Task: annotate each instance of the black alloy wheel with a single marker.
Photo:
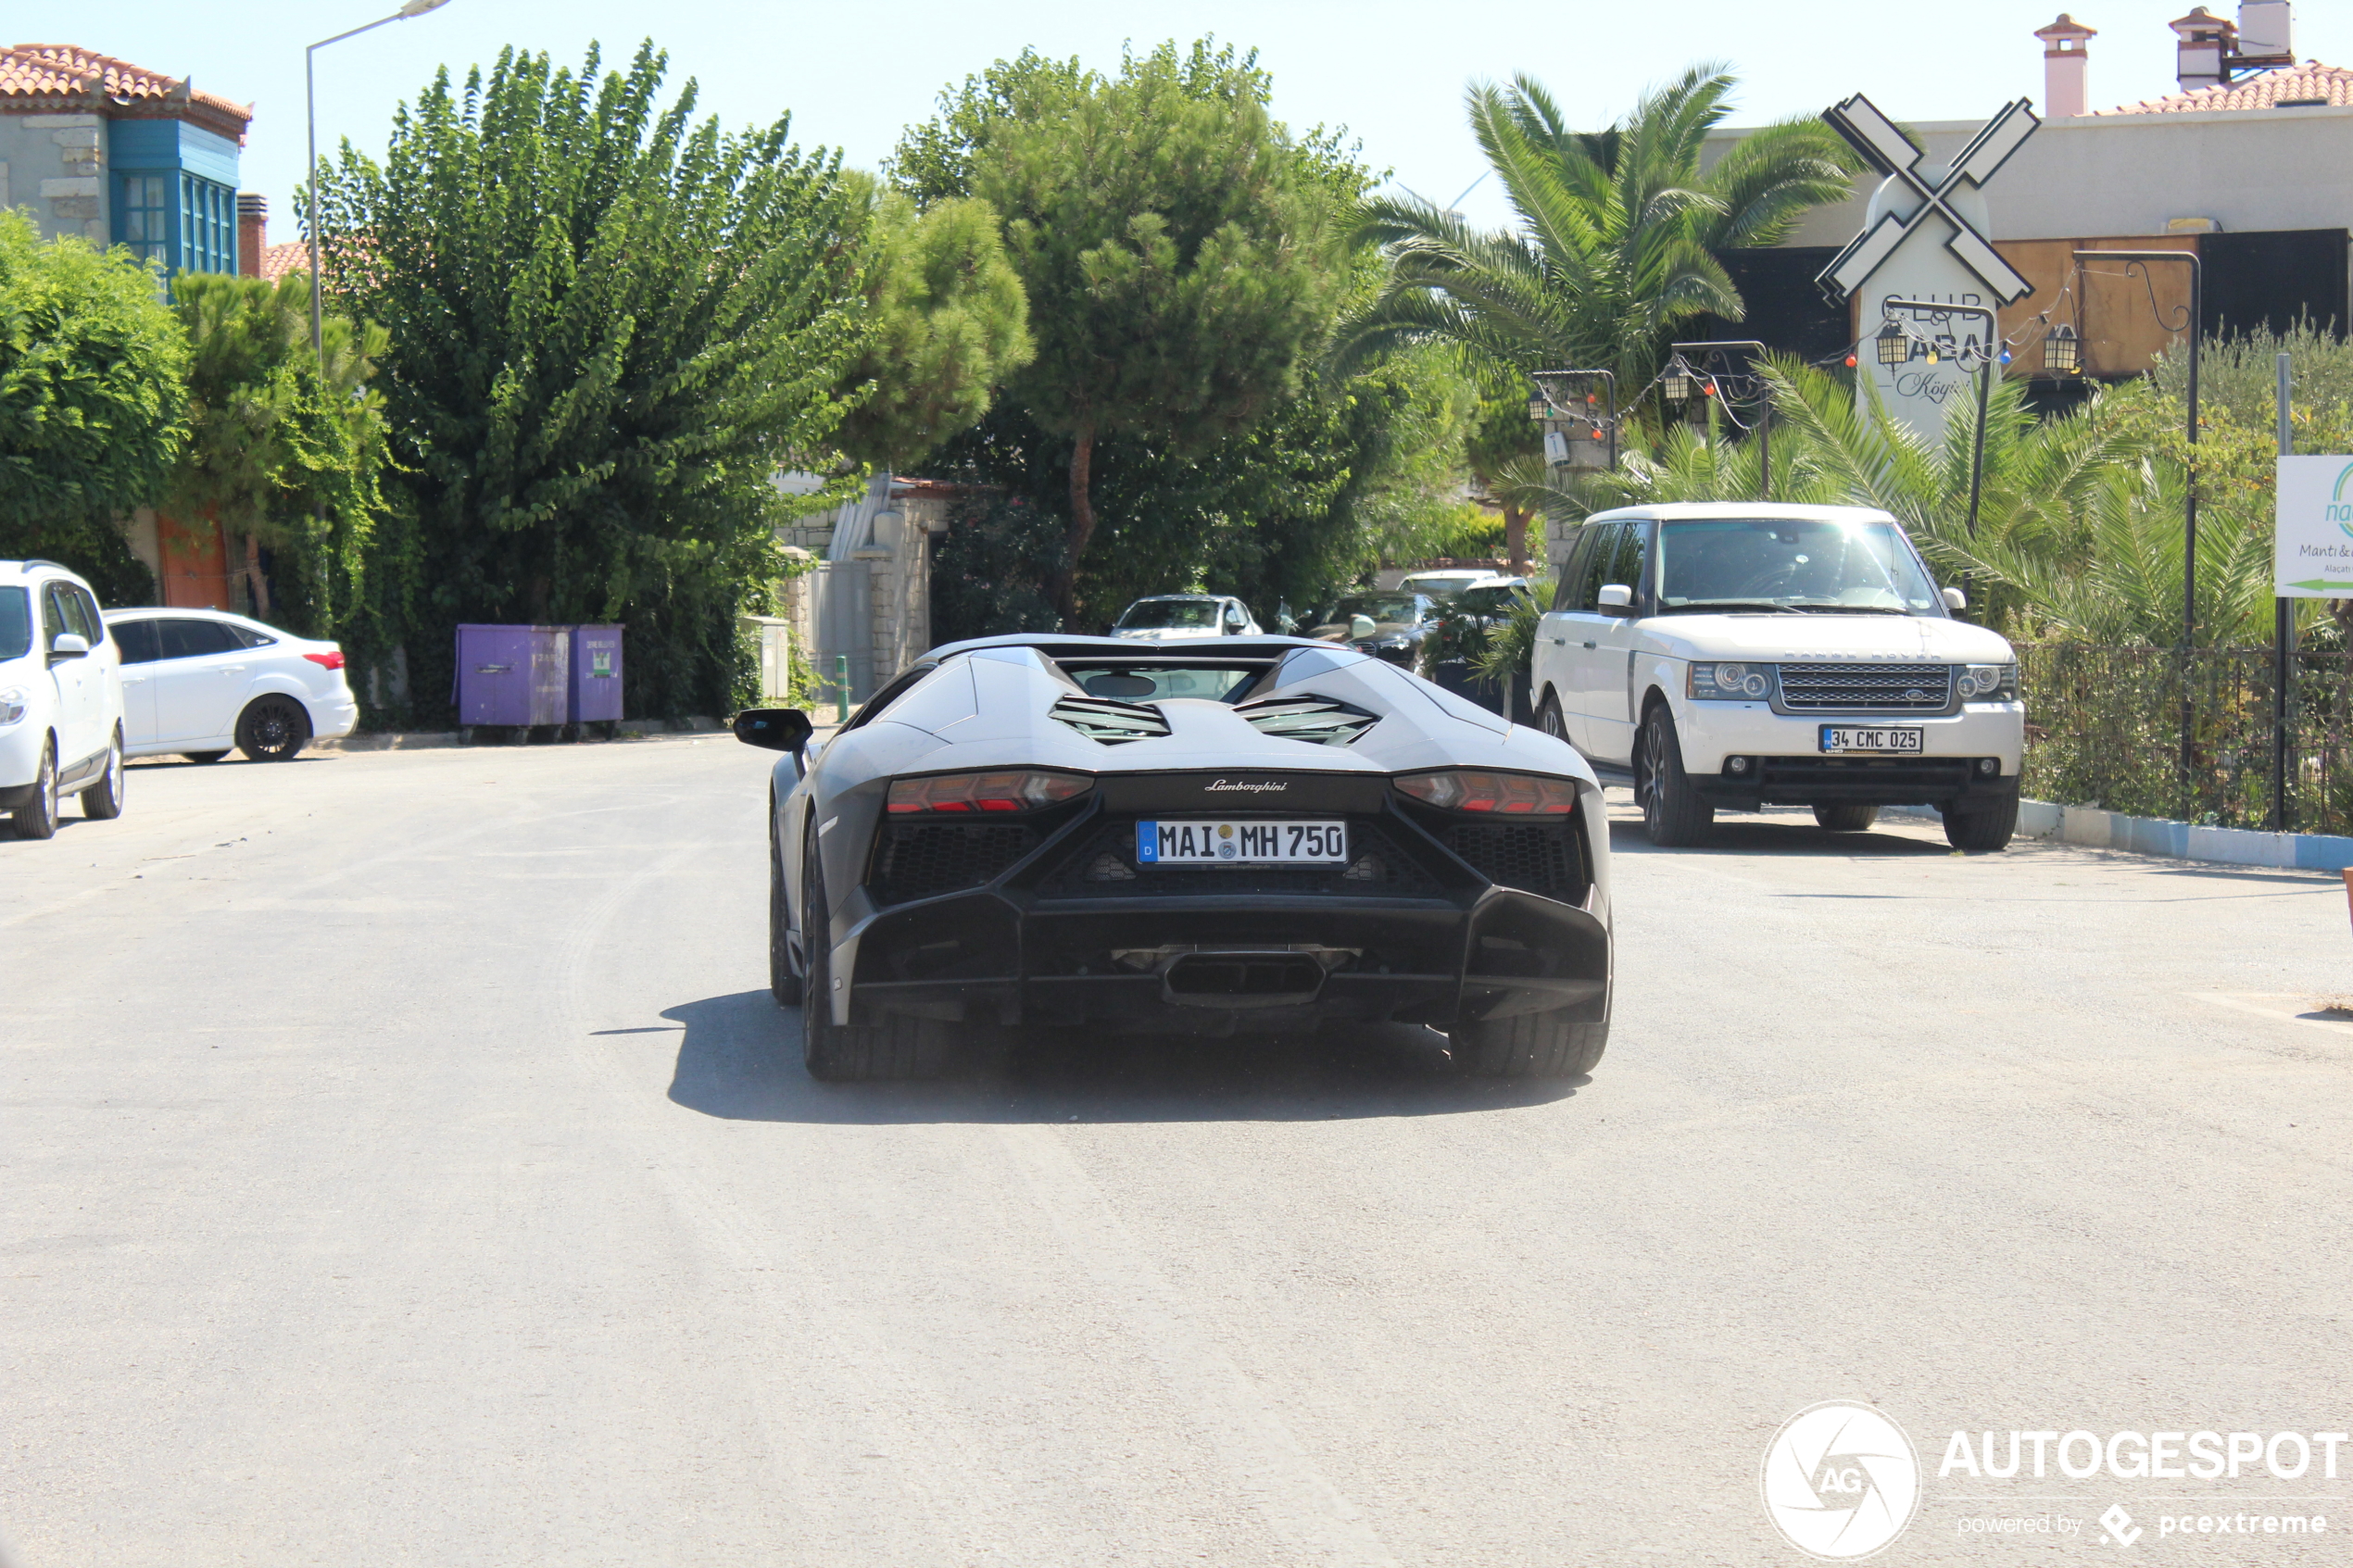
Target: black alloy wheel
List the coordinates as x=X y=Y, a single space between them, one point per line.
x=272 y=729
x=1673 y=814
x=1549 y=720
x=899 y=1047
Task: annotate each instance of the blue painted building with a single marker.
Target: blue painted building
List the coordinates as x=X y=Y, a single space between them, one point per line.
x=119 y=155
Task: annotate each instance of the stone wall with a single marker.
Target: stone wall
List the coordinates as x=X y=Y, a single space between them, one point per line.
x=56 y=164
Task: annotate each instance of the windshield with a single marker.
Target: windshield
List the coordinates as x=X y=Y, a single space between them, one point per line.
x=16 y=622
x=1497 y=600
x=1150 y=682
x=1395 y=608
x=1851 y=567
x=1152 y=614
x=1438 y=587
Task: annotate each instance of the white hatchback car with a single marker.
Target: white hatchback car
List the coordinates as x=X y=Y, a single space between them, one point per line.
x=198 y=682
x=61 y=727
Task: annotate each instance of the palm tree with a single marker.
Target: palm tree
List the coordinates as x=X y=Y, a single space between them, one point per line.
x=1616 y=235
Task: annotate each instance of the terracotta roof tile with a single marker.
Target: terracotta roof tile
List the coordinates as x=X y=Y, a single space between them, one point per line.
x=280 y=259
x=2301 y=86
x=60 y=78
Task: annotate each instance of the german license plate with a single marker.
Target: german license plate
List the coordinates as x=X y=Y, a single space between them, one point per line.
x=1242 y=843
x=1844 y=737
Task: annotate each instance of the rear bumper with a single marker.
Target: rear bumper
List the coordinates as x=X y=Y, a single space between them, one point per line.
x=333 y=717
x=1439 y=944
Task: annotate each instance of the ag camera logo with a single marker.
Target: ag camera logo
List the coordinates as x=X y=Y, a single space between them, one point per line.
x=1841 y=1481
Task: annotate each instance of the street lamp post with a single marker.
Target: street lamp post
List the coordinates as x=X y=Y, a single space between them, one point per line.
x=2196 y=323
x=1765 y=407
x=311 y=176
x=1984 y=377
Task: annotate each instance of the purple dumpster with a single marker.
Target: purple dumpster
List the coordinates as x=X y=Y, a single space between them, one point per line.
x=596 y=674
x=513 y=675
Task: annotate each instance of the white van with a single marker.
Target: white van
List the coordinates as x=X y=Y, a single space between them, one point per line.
x=60 y=699
x=1731 y=655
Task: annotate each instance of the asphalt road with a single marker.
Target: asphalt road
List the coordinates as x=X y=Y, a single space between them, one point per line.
x=402 y=1162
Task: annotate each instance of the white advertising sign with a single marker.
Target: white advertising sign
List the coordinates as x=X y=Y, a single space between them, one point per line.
x=2313 y=535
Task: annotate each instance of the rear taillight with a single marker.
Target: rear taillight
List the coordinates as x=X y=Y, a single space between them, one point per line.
x=1024 y=789
x=330 y=660
x=1509 y=794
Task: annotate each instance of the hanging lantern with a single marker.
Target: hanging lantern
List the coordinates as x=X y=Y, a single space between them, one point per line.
x=1677 y=383
x=1895 y=345
x=2062 y=353
x=1538 y=405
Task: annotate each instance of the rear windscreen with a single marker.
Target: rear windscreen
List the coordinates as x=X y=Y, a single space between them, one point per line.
x=1150 y=682
x=16 y=622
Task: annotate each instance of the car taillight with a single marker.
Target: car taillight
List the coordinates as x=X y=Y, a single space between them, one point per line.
x=1510 y=795
x=1024 y=789
x=332 y=660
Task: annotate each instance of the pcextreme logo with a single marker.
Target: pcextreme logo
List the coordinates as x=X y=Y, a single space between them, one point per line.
x=1841 y=1481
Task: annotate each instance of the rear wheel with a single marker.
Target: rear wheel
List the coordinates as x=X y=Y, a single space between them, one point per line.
x=102 y=802
x=37 y=818
x=272 y=729
x=896 y=1048
x=1534 y=1045
x=1981 y=831
x=1844 y=818
x=1549 y=720
x=782 y=984
x=1673 y=813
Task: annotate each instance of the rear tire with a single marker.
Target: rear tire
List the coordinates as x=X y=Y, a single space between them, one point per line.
x=1531 y=1045
x=37 y=818
x=1673 y=813
x=899 y=1047
x=1549 y=720
x=272 y=729
x=782 y=984
x=102 y=802
x=1984 y=832
x=1844 y=818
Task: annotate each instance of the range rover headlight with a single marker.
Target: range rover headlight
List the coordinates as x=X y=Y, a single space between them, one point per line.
x=1730 y=681
x=13 y=703
x=1989 y=683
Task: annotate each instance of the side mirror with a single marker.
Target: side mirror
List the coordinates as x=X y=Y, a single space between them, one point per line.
x=68 y=644
x=773 y=729
x=1360 y=626
x=1955 y=599
x=1614 y=596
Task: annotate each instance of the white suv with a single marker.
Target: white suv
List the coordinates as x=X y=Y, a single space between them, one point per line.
x=1733 y=654
x=60 y=699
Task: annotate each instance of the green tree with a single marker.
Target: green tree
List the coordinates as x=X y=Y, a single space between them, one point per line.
x=94 y=403
x=278 y=454
x=951 y=325
x=608 y=328
x=1617 y=231
x=1177 y=248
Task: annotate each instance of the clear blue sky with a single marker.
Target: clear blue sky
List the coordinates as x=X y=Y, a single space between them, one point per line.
x=852 y=75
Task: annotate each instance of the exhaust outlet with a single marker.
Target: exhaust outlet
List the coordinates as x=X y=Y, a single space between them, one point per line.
x=1242 y=979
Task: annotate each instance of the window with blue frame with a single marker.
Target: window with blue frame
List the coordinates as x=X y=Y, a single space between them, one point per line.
x=207 y=226
x=143 y=216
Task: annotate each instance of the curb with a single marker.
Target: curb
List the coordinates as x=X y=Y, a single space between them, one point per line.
x=432 y=740
x=2088 y=827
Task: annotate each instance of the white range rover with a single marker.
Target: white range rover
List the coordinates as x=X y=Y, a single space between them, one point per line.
x=1730 y=655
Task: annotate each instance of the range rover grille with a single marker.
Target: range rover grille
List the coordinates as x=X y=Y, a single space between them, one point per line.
x=1876 y=688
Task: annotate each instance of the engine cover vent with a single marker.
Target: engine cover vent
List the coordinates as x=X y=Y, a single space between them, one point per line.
x=1320 y=721
x=1110 y=721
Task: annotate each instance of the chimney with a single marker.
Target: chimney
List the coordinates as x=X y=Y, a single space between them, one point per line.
x=2266 y=33
x=2206 y=43
x=253 y=232
x=2063 y=86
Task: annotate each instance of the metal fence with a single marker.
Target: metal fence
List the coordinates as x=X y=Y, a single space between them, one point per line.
x=2104 y=727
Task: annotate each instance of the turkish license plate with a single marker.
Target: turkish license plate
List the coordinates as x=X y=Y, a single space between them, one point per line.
x=1847 y=737
x=1242 y=843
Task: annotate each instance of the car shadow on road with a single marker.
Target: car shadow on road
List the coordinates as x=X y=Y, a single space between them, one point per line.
x=740 y=1060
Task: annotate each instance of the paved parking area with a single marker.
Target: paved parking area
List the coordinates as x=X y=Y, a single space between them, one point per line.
x=401 y=1162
